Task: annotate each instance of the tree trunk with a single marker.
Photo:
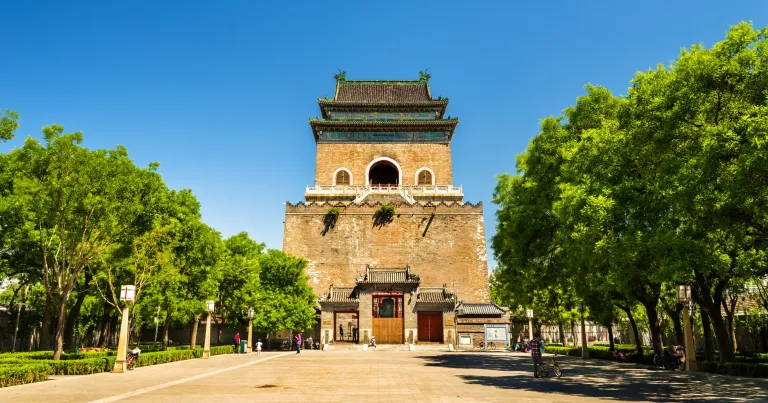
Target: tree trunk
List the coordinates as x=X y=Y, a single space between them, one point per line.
x=638 y=342
x=193 y=336
x=573 y=333
x=32 y=339
x=61 y=321
x=678 y=324
x=45 y=327
x=711 y=301
x=562 y=333
x=74 y=314
x=114 y=322
x=729 y=306
x=610 y=337
x=166 y=328
x=219 y=331
x=104 y=327
x=722 y=337
x=650 y=306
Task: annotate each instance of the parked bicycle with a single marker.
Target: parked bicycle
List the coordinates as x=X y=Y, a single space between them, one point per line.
x=672 y=361
x=546 y=367
x=131 y=358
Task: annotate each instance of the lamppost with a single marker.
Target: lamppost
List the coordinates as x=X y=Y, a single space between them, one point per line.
x=584 y=350
x=127 y=295
x=529 y=315
x=210 y=306
x=250 y=330
x=684 y=297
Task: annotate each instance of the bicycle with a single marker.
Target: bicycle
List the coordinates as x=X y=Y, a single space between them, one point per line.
x=131 y=358
x=546 y=367
x=672 y=363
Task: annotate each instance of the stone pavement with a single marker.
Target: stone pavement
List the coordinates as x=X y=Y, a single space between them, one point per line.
x=388 y=376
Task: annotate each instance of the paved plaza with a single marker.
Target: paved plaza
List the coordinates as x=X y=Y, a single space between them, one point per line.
x=387 y=376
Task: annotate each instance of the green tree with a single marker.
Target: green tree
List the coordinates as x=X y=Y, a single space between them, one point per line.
x=8 y=124
x=238 y=283
x=181 y=286
x=78 y=201
x=663 y=187
x=286 y=301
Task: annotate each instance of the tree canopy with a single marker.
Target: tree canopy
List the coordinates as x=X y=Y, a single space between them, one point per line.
x=623 y=197
x=79 y=223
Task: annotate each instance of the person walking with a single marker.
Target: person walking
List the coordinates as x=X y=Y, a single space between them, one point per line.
x=536 y=354
x=341 y=332
x=236 y=341
x=258 y=347
x=298 y=343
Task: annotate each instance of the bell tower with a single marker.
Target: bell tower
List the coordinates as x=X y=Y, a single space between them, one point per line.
x=386 y=145
x=386 y=136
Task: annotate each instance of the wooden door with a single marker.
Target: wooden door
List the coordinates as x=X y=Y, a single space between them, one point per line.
x=430 y=326
x=388 y=330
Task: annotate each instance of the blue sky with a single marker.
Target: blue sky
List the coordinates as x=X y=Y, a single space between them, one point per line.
x=219 y=92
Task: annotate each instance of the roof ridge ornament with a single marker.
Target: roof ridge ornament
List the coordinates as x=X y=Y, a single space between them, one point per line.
x=341 y=76
x=424 y=75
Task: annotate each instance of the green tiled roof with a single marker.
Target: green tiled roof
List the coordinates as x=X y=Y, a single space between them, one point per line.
x=381 y=91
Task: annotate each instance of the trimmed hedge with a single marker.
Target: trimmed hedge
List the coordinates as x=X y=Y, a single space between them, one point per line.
x=66 y=367
x=21 y=374
x=601 y=353
x=48 y=355
x=218 y=350
x=162 y=357
x=759 y=370
x=755 y=369
x=20 y=368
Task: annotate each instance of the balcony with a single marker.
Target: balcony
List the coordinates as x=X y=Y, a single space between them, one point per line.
x=408 y=192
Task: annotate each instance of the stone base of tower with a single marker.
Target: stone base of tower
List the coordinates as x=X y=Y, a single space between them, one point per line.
x=443 y=242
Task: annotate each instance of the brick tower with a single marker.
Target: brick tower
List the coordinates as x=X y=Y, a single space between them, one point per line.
x=400 y=276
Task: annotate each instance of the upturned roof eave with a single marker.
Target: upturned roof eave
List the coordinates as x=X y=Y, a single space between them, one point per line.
x=355 y=302
x=408 y=282
x=440 y=104
x=449 y=124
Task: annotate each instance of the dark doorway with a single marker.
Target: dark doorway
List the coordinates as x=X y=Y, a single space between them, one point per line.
x=383 y=173
x=346 y=324
x=430 y=326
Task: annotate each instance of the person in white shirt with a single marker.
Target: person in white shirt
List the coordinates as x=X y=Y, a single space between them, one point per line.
x=258 y=347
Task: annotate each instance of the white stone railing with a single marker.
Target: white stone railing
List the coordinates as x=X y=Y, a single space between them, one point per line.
x=356 y=190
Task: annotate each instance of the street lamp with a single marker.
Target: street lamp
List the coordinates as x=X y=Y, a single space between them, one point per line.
x=210 y=306
x=250 y=330
x=529 y=315
x=127 y=295
x=684 y=297
x=584 y=350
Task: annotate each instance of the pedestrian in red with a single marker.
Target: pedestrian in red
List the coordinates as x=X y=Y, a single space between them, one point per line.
x=236 y=340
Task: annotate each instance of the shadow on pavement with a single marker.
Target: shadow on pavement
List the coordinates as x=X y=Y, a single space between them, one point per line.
x=602 y=379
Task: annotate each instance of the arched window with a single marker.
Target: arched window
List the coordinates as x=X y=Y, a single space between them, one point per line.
x=343 y=178
x=425 y=177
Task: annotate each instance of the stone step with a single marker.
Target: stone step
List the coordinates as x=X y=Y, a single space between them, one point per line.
x=388 y=347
